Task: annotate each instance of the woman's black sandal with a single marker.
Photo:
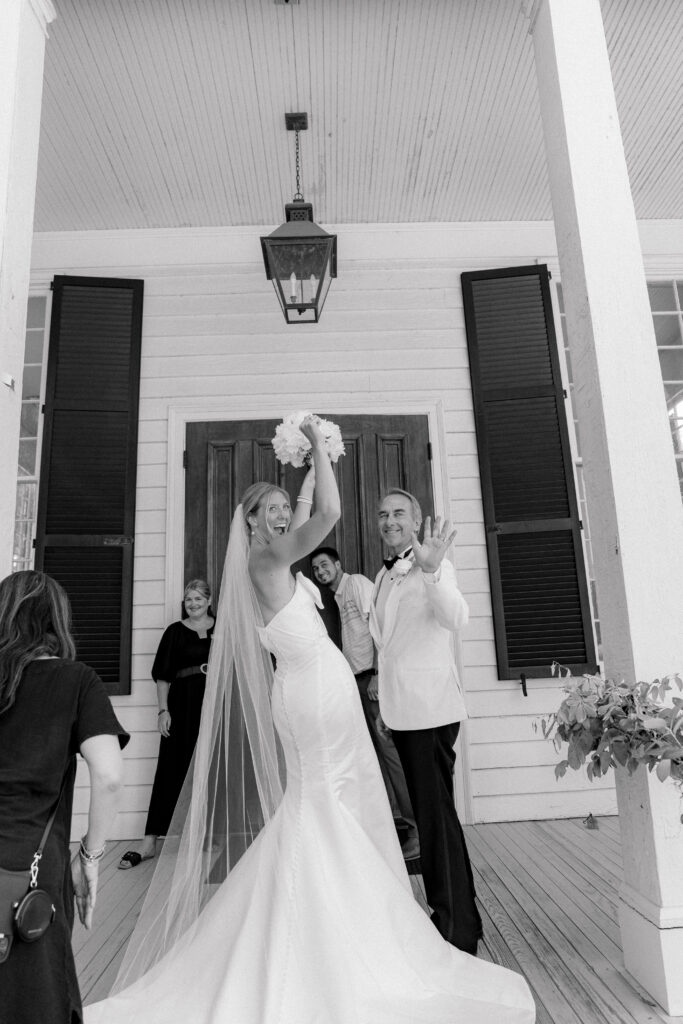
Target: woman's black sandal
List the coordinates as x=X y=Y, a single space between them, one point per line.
x=131 y=859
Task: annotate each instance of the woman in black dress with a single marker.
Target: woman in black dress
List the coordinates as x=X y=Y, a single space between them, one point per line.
x=179 y=670
x=51 y=708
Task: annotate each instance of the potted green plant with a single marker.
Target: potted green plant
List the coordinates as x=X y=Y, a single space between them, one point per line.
x=608 y=724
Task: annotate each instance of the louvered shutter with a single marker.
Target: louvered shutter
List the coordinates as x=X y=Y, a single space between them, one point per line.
x=541 y=610
x=86 y=506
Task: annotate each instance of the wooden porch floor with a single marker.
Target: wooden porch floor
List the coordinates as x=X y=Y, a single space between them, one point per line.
x=548 y=896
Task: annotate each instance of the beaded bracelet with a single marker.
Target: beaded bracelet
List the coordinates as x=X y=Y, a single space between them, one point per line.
x=305 y=501
x=90 y=856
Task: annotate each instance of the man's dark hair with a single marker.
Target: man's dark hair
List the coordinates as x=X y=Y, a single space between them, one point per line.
x=330 y=552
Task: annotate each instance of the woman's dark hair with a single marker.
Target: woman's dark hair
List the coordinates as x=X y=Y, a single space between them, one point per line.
x=35 y=620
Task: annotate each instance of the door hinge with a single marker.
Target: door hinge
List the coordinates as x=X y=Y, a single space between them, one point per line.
x=185 y=459
x=429 y=451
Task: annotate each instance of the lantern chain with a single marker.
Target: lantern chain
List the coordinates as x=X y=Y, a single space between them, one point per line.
x=298 y=195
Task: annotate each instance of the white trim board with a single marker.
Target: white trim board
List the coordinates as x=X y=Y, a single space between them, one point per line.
x=475 y=244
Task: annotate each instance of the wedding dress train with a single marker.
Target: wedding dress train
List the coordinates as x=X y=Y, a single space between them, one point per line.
x=317 y=923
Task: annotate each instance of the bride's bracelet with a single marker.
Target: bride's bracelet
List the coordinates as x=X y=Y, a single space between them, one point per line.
x=305 y=501
x=90 y=856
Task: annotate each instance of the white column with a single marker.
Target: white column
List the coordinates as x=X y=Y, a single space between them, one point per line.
x=634 y=502
x=22 y=51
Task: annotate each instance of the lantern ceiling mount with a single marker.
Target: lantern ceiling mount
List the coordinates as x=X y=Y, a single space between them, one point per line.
x=300 y=257
x=297 y=122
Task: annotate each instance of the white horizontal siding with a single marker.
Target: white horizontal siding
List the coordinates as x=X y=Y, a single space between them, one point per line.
x=392 y=332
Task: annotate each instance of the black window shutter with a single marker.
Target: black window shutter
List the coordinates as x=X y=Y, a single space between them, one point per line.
x=541 y=611
x=86 y=505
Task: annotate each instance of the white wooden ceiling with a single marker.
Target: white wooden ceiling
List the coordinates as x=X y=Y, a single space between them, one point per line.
x=170 y=113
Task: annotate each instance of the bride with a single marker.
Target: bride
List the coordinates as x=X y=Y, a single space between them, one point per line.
x=315 y=921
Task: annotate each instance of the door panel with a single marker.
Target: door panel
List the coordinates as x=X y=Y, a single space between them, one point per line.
x=224 y=458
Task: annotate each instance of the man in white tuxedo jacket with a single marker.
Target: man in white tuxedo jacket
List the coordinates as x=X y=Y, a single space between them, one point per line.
x=416 y=610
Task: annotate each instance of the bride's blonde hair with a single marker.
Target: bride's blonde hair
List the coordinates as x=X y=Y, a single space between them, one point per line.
x=253 y=497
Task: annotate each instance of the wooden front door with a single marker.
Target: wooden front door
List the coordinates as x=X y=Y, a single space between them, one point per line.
x=224 y=458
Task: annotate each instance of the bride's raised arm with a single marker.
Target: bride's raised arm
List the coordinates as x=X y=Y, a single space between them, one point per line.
x=307 y=533
x=303 y=507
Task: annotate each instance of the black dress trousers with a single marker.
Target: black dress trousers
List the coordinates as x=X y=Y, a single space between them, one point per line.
x=428 y=759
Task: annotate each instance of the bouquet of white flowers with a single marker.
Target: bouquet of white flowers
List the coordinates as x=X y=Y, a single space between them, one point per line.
x=291 y=446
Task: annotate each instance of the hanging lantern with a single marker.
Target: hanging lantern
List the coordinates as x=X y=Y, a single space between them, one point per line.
x=300 y=257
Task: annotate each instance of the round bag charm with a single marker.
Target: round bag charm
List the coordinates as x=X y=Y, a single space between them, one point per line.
x=33 y=915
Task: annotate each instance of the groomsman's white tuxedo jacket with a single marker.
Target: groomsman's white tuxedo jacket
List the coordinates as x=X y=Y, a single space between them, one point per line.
x=418 y=680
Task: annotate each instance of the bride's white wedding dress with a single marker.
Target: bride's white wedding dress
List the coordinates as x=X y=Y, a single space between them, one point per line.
x=317 y=923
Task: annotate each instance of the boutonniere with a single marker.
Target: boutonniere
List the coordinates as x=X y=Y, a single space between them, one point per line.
x=402 y=567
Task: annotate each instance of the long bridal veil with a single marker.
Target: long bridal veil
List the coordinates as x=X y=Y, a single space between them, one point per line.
x=235 y=782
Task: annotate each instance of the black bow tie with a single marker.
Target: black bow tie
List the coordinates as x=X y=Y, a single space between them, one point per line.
x=391 y=562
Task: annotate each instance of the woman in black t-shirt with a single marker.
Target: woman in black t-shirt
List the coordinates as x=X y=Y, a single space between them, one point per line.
x=51 y=708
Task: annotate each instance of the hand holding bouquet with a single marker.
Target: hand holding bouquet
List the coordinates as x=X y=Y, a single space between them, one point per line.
x=292 y=446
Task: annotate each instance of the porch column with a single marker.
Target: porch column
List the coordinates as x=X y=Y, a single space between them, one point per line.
x=22 y=50
x=636 y=516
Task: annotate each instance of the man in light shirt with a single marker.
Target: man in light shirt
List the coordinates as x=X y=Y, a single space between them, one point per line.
x=353 y=595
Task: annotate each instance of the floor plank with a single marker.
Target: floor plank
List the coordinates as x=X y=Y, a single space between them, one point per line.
x=119 y=899
x=556 y=956
x=577 y=867
x=507 y=930
x=586 y=957
x=558 y=882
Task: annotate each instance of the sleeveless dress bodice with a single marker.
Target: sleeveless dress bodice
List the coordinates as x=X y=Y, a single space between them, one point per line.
x=315 y=703
x=296 y=630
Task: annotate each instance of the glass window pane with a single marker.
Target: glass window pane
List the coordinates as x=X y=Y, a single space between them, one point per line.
x=34 y=346
x=35 y=314
x=674 y=396
x=671 y=361
x=680 y=294
x=27 y=458
x=667 y=330
x=29 y=419
x=31 y=384
x=662 y=299
x=27 y=493
x=23 y=546
x=677 y=434
x=560 y=298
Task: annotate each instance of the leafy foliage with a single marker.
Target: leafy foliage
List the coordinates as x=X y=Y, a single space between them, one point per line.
x=608 y=723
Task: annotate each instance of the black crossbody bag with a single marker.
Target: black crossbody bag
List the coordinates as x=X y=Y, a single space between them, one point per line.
x=26 y=912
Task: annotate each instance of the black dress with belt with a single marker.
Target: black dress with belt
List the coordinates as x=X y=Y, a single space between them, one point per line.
x=59 y=704
x=181 y=649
